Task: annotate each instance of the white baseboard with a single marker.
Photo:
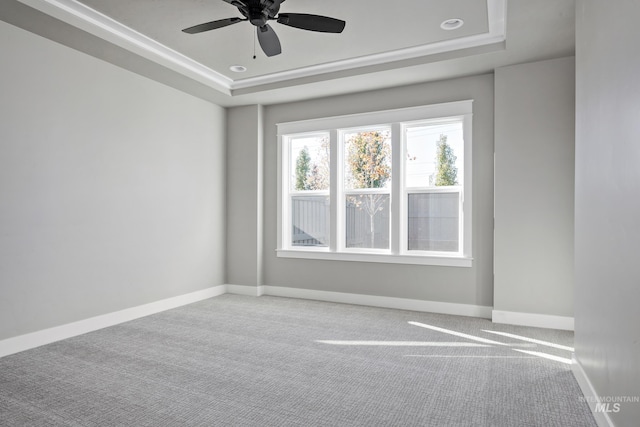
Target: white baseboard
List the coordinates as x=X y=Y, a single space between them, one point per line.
x=380 y=301
x=252 y=291
x=531 y=319
x=46 y=336
x=57 y=333
x=591 y=397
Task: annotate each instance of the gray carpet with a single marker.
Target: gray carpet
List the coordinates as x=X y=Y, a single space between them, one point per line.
x=246 y=361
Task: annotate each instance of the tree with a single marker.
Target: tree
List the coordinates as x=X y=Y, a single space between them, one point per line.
x=318 y=177
x=368 y=157
x=446 y=170
x=303 y=165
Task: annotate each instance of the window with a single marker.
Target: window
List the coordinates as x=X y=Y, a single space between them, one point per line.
x=434 y=172
x=366 y=187
x=309 y=190
x=390 y=186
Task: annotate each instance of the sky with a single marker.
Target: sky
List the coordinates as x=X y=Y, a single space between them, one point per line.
x=421 y=143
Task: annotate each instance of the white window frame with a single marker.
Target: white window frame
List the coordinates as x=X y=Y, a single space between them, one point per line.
x=284 y=199
x=342 y=192
x=398 y=120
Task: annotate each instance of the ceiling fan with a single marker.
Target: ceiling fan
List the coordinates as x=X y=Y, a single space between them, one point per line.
x=259 y=12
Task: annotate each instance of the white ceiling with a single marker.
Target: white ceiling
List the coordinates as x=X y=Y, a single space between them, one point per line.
x=369 y=31
x=384 y=43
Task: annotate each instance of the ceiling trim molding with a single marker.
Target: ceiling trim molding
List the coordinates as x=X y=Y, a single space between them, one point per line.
x=371 y=60
x=497 y=33
x=85 y=18
x=100 y=25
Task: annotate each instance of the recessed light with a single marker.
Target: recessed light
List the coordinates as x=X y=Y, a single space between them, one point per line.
x=452 y=24
x=238 y=68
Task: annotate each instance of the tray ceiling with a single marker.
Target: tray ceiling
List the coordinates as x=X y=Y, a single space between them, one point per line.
x=390 y=40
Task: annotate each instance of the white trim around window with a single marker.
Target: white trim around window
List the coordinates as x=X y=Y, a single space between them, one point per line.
x=329 y=241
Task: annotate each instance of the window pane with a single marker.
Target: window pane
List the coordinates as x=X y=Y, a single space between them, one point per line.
x=434 y=222
x=310 y=221
x=434 y=154
x=310 y=162
x=367 y=159
x=367 y=221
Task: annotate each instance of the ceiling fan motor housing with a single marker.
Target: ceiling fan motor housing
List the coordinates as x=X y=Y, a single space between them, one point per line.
x=258 y=12
x=258 y=16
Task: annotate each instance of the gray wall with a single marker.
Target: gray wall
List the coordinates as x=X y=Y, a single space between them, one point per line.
x=607 y=334
x=111 y=185
x=448 y=284
x=534 y=187
x=244 y=198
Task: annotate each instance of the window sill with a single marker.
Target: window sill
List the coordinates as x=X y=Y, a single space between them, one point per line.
x=444 y=261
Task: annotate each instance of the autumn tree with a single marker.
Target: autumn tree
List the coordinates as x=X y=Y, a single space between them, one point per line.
x=369 y=161
x=446 y=170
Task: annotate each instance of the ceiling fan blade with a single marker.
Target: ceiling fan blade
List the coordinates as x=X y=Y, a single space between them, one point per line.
x=305 y=21
x=269 y=41
x=236 y=2
x=213 y=25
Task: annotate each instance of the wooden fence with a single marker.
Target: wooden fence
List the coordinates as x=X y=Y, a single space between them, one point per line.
x=433 y=222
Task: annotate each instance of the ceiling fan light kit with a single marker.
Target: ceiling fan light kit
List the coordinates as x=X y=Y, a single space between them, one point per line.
x=260 y=12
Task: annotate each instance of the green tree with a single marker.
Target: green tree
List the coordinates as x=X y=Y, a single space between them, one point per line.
x=303 y=165
x=369 y=160
x=446 y=170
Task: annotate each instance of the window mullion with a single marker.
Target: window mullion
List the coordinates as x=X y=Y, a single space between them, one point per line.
x=396 y=187
x=283 y=194
x=334 y=189
x=467 y=190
